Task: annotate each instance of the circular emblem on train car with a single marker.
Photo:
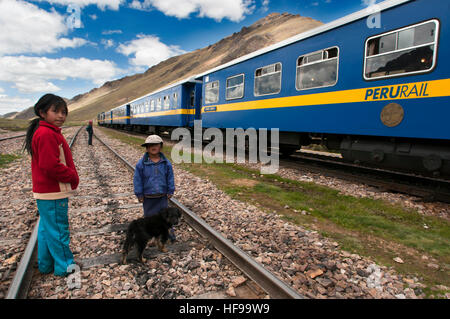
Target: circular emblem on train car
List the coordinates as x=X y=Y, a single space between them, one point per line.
x=392 y=114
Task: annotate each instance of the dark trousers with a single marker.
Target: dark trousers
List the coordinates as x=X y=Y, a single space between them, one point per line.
x=152 y=206
x=90 y=139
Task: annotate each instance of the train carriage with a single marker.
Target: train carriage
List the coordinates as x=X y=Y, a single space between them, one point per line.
x=121 y=116
x=100 y=118
x=379 y=95
x=170 y=107
x=108 y=118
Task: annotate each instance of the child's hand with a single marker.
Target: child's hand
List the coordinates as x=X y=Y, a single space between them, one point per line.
x=141 y=199
x=169 y=196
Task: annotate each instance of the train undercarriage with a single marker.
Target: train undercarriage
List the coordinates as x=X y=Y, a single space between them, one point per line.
x=431 y=157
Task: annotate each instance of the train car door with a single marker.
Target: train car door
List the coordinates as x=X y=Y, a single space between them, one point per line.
x=127 y=114
x=191 y=105
x=198 y=101
x=192 y=99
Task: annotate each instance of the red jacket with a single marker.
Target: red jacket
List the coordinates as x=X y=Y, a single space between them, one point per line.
x=53 y=172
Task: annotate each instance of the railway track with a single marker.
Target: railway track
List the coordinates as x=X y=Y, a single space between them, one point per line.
x=425 y=187
x=265 y=279
x=18 y=136
x=11 y=137
x=117 y=213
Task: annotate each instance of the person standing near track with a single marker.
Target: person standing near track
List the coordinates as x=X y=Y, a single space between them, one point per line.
x=153 y=178
x=90 y=131
x=55 y=179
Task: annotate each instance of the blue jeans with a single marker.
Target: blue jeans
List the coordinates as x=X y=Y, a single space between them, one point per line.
x=54 y=253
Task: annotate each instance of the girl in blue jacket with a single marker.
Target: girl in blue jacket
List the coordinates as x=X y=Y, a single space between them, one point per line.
x=153 y=178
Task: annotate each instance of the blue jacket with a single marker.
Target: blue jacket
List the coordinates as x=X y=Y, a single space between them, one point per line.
x=153 y=178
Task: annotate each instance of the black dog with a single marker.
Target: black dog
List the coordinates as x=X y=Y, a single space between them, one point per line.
x=141 y=230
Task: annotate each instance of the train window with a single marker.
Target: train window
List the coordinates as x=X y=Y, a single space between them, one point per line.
x=167 y=102
x=175 y=100
x=235 y=87
x=152 y=105
x=387 y=43
x=158 y=104
x=313 y=57
x=410 y=50
x=212 y=92
x=268 y=80
x=318 y=69
x=147 y=106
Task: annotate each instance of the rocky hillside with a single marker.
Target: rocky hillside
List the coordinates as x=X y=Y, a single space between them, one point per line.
x=272 y=29
x=8 y=115
x=25 y=114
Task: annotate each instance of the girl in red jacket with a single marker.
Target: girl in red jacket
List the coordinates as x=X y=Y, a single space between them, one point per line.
x=54 y=180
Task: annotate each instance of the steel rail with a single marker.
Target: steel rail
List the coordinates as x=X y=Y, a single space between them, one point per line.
x=429 y=188
x=21 y=135
x=12 y=137
x=20 y=284
x=276 y=288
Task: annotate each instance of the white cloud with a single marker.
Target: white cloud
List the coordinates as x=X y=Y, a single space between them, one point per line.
x=368 y=2
x=109 y=32
x=108 y=43
x=2 y=90
x=13 y=104
x=265 y=5
x=102 y=4
x=148 y=50
x=34 y=74
x=234 y=10
x=25 y=28
x=93 y=16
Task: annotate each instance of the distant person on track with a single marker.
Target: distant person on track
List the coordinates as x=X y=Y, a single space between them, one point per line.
x=55 y=178
x=90 y=131
x=153 y=178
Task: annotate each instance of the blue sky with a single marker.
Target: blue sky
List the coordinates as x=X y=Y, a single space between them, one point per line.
x=68 y=47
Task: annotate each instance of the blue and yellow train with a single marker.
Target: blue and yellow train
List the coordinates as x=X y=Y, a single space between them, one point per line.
x=373 y=85
x=177 y=105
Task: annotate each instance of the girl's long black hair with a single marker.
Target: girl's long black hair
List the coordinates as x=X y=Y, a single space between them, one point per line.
x=44 y=104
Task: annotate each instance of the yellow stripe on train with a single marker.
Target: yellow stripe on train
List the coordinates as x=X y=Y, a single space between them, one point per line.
x=437 y=88
x=170 y=112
